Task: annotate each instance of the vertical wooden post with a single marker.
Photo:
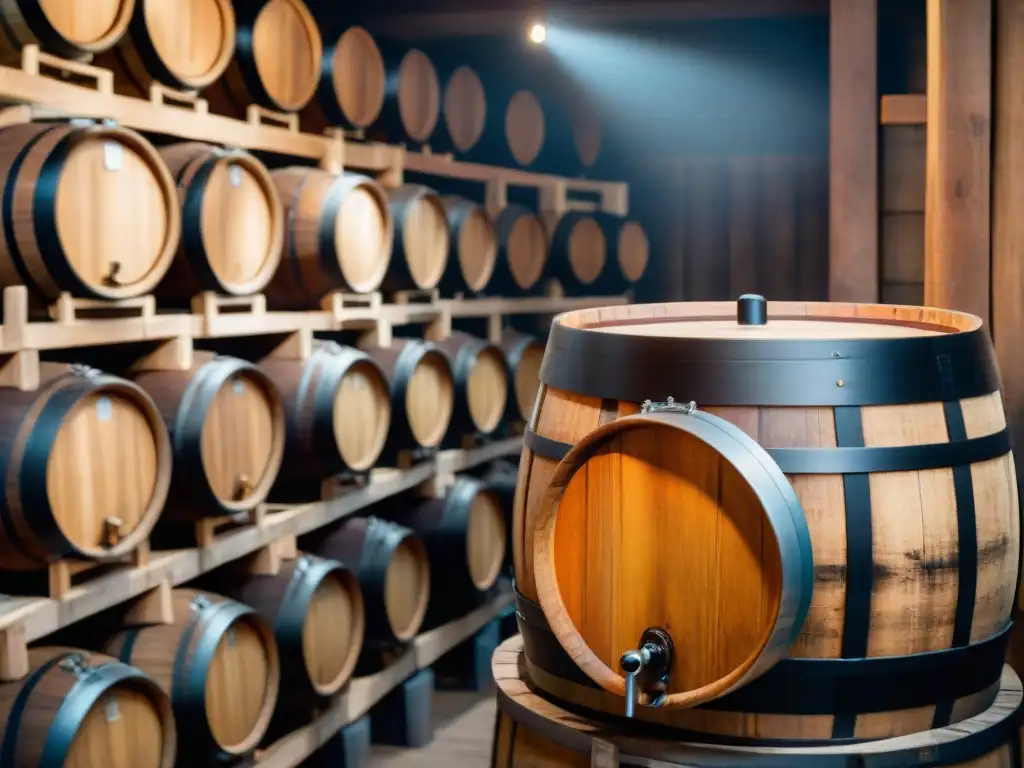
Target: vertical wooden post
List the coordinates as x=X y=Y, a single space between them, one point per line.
x=853 y=221
x=1007 y=205
x=957 y=166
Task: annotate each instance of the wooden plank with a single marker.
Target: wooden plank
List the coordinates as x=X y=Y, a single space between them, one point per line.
x=903 y=175
x=853 y=219
x=904 y=109
x=1007 y=204
x=957 y=168
x=903 y=248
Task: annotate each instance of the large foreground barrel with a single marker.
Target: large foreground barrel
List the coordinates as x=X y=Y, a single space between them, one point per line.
x=86 y=464
x=352 y=83
x=90 y=209
x=72 y=28
x=391 y=564
x=472 y=248
x=184 y=44
x=579 y=252
x=227 y=428
x=523 y=356
x=421 y=239
x=533 y=731
x=232 y=222
x=338 y=411
x=338 y=236
x=218 y=663
x=888 y=425
x=84 y=709
x=277 y=59
x=315 y=607
x=422 y=393
x=522 y=253
x=480 y=376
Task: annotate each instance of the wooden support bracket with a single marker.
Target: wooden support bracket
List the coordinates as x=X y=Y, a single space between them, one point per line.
x=34 y=61
x=257 y=115
x=154 y=607
x=296 y=346
x=172 y=355
x=496 y=196
x=267 y=561
x=13 y=653
x=21 y=371
x=161 y=95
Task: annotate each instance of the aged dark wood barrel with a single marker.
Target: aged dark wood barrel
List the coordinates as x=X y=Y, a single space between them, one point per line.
x=338 y=236
x=61 y=499
x=232 y=222
x=338 y=411
x=72 y=29
x=522 y=262
x=628 y=253
x=315 y=608
x=227 y=426
x=532 y=731
x=464 y=107
x=887 y=422
x=278 y=54
x=421 y=239
x=422 y=393
x=72 y=702
x=579 y=252
x=391 y=564
x=353 y=84
x=218 y=662
x=523 y=355
x=68 y=190
x=480 y=376
x=184 y=44
x=412 y=103
x=472 y=249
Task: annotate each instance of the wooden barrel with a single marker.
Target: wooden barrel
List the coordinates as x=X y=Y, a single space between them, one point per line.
x=232 y=222
x=278 y=55
x=421 y=242
x=338 y=236
x=472 y=248
x=628 y=253
x=524 y=127
x=480 y=377
x=422 y=393
x=86 y=464
x=579 y=252
x=338 y=411
x=888 y=424
x=533 y=731
x=185 y=45
x=218 y=662
x=391 y=564
x=464 y=535
x=522 y=253
x=464 y=108
x=84 y=709
x=523 y=355
x=72 y=28
x=500 y=479
x=412 y=103
x=91 y=209
x=226 y=420
x=353 y=84
x=315 y=607
x=586 y=131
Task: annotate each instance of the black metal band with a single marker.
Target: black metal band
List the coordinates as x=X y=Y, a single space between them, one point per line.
x=138 y=34
x=770 y=372
x=308 y=575
x=326 y=97
x=381 y=539
x=192 y=226
x=128 y=644
x=245 y=54
x=327 y=248
x=50 y=40
x=9 y=746
x=545 y=446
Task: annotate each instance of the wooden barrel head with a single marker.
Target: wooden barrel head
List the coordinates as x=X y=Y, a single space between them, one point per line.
x=363 y=233
x=527 y=378
x=425 y=239
x=106 y=176
x=524 y=127
x=360 y=81
x=465 y=108
x=242 y=224
x=407 y=588
x=123 y=729
x=633 y=250
x=194 y=39
x=104 y=464
x=419 y=95
x=362 y=415
x=238 y=680
x=332 y=634
x=92 y=25
x=429 y=399
x=587 y=250
x=487 y=389
x=527 y=251
x=288 y=50
x=586 y=132
x=485 y=540
x=241 y=438
x=478 y=249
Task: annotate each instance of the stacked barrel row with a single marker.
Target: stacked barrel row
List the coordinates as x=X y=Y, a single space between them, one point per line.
x=97 y=211
x=271 y=53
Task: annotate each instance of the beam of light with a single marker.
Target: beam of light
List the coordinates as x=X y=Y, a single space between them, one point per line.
x=538 y=33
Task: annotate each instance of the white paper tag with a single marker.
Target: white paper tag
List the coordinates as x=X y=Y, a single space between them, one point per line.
x=104 y=409
x=113 y=155
x=238 y=387
x=235 y=175
x=111 y=710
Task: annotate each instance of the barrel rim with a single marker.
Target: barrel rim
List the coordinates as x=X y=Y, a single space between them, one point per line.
x=158 y=65
x=780 y=507
x=39 y=21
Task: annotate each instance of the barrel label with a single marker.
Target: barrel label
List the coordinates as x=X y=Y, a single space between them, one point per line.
x=231 y=637
x=104 y=409
x=111 y=709
x=235 y=176
x=238 y=387
x=113 y=155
